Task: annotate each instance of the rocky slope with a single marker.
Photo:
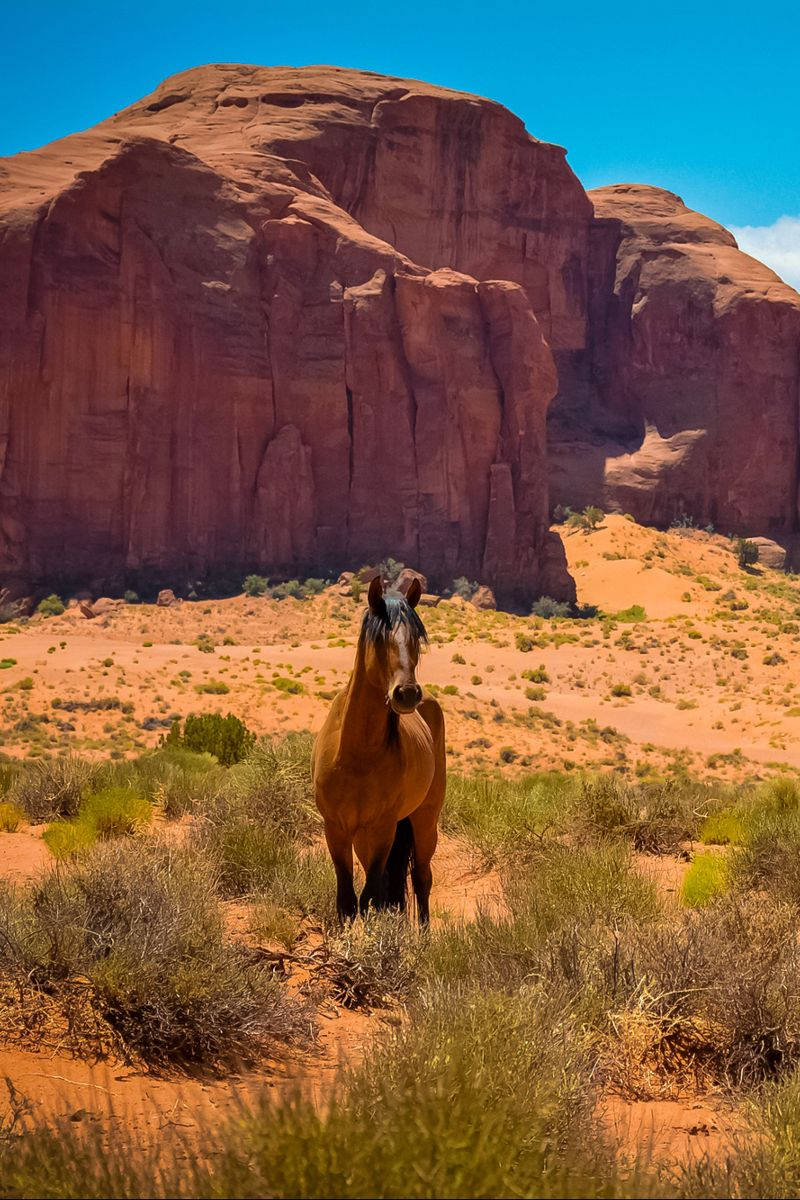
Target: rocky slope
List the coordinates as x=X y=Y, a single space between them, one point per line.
x=255 y=320
x=294 y=320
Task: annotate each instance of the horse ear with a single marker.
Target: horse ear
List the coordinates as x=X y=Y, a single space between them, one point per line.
x=413 y=594
x=375 y=595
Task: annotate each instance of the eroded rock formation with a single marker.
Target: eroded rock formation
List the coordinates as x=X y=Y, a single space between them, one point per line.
x=695 y=371
x=296 y=320
x=254 y=320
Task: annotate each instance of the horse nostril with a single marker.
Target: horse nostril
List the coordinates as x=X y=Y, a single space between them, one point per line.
x=408 y=696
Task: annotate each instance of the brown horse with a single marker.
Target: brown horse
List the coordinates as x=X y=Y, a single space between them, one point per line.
x=379 y=763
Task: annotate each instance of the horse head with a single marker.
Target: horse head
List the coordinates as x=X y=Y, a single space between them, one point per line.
x=391 y=635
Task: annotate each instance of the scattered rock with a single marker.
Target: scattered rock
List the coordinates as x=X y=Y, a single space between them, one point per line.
x=166 y=598
x=86 y=609
x=484 y=598
x=430 y=600
x=105 y=604
x=770 y=554
x=406 y=578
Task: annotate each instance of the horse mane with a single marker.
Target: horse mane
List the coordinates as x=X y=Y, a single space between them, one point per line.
x=376 y=627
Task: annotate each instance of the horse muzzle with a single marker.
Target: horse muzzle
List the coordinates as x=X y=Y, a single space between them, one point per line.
x=405 y=698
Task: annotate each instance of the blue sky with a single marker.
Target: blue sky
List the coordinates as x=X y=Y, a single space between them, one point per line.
x=700 y=98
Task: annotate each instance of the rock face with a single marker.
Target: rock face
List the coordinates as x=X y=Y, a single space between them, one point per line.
x=695 y=367
x=288 y=320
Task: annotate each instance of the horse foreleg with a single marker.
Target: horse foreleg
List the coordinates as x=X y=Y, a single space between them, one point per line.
x=341 y=851
x=425 y=823
x=373 y=850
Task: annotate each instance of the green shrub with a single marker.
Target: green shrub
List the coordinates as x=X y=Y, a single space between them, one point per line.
x=463 y=587
x=547 y=607
x=213 y=687
x=536 y=674
x=255 y=585
x=524 y=642
x=51 y=606
x=115 y=812
x=621 y=689
x=66 y=839
x=589 y=520
x=131 y=597
x=292 y=687
x=227 y=738
x=746 y=552
x=11 y=816
x=706 y=880
x=291 y=588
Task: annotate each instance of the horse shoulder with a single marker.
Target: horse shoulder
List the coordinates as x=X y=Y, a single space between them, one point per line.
x=431 y=712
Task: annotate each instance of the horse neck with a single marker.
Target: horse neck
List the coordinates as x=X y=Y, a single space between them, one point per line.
x=366 y=717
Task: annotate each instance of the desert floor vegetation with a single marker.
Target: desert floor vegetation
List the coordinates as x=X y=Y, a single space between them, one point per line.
x=192 y=934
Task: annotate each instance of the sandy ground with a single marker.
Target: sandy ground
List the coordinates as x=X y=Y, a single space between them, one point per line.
x=704 y=680
x=710 y=667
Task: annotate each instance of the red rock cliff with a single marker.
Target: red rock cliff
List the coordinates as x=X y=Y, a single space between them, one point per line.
x=286 y=319
x=695 y=371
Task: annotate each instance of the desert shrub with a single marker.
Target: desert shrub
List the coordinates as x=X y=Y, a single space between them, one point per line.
x=547 y=607
x=463 y=587
x=263 y=813
x=114 y=811
x=373 y=960
x=11 y=816
x=51 y=606
x=632 y=614
x=52 y=787
x=390 y=569
x=174 y=778
x=746 y=552
x=131 y=597
x=290 y=588
x=227 y=738
x=655 y=816
x=621 y=689
x=305 y=886
x=524 y=642
x=142 y=923
x=356 y=589
x=588 y=520
x=65 y=839
x=706 y=879
x=499 y=815
x=313 y=587
x=511 y=1070
x=255 y=585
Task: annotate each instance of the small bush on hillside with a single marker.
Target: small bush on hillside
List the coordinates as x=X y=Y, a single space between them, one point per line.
x=547 y=607
x=51 y=606
x=255 y=585
x=464 y=587
x=52 y=787
x=746 y=552
x=291 y=588
x=131 y=597
x=390 y=569
x=227 y=738
x=588 y=521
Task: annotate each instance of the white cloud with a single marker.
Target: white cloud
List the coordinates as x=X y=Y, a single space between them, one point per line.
x=776 y=245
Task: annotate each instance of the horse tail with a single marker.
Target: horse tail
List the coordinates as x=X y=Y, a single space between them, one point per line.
x=399 y=865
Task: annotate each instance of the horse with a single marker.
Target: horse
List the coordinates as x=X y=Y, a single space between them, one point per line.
x=379 y=763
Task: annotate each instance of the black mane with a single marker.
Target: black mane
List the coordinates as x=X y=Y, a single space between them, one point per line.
x=375 y=627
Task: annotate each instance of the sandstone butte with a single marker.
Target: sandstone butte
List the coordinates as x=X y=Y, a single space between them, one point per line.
x=295 y=319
